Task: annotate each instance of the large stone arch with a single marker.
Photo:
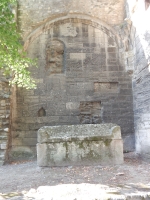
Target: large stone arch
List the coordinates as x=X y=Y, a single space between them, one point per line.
x=86 y=19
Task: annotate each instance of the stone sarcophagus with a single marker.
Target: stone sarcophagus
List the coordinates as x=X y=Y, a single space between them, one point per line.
x=88 y=144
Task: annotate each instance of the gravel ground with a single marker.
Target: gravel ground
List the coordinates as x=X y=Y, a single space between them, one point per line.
x=26 y=178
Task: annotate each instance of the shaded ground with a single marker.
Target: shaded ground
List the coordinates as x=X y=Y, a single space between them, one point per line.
x=21 y=178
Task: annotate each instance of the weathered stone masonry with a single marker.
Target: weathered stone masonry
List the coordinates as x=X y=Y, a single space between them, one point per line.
x=80 y=79
x=88 y=144
x=4 y=119
x=89 y=58
x=141 y=76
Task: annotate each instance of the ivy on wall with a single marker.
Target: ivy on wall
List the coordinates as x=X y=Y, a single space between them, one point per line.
x=13 y=60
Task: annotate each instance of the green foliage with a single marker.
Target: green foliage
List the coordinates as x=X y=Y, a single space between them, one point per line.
x=13 y=60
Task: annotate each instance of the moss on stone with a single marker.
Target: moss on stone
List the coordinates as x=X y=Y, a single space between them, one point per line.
x=107 y=142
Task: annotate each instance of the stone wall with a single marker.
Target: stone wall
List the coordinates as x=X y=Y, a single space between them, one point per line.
x=141 y=89
x=139 y=13
x=4 y=119
x=93 y=59
x=80 y=80
x=31 y=14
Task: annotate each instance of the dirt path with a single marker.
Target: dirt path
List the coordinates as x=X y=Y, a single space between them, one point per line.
x=22 y=177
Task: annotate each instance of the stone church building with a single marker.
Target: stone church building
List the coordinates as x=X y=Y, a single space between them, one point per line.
x=93 y=67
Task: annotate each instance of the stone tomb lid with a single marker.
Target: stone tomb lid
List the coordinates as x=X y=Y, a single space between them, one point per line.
x=62 y=133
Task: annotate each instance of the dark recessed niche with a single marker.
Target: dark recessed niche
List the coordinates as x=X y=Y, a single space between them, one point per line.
x=41 y=112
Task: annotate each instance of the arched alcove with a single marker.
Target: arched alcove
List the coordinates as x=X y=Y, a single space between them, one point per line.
x=41 y=112
x=71 y=18
x=79 y=77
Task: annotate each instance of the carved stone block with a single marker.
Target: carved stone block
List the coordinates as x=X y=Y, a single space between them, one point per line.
x=54 y=57
x=88 y=144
